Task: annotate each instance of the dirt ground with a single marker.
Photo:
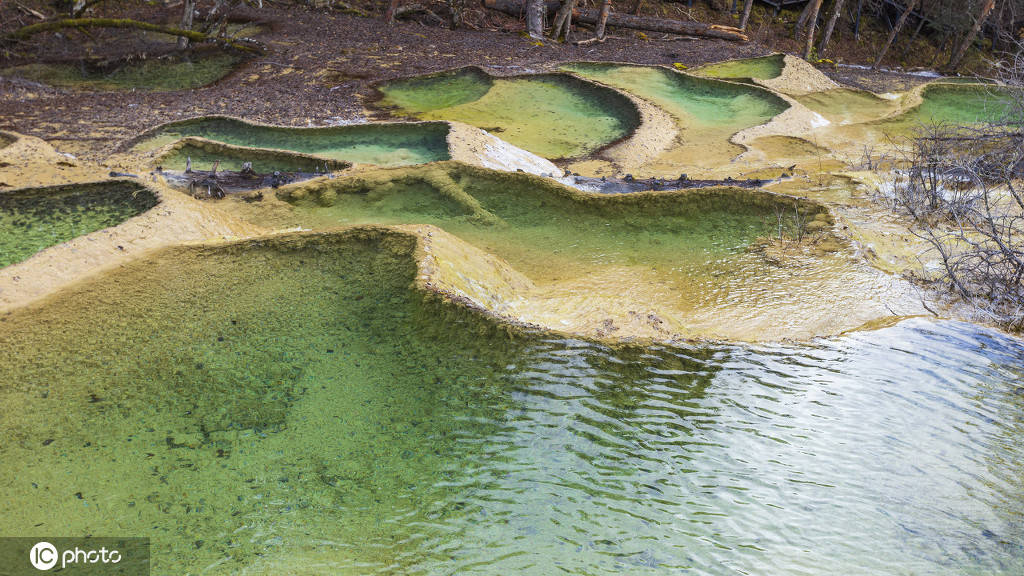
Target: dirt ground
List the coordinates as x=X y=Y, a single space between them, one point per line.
x=318 y=67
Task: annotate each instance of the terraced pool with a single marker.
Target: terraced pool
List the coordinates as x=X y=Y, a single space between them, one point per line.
x=763 y=68
x=291 y=405
x=37 y=218
x=848 y=106
x=414 y=382
x=687 y=263
x=707 y=111
x=380 y=144
x=552 y=115
x=954 y=104
x=205 y=155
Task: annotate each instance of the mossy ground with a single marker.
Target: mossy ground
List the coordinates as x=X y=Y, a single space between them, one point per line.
x=156 y=74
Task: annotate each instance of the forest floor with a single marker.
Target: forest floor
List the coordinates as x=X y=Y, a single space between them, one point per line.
x=321 y=65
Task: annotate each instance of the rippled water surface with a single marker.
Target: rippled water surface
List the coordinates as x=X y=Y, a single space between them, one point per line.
x=292 y=406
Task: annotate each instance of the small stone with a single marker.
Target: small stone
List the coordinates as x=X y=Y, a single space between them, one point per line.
x=194 y=440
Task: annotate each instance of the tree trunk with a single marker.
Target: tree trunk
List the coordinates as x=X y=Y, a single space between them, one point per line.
x=856 y=23
x=389 y=15
x=535 y=10
x=515 y=8
x=958 y=54
x=911 y=4
x=602 y=18
x=917 y=32
x=457 y=7
x=747 y=5
x=837 y=9
x=812 y=23
x=801 y=22
x=942 y=46
x=186 y=22
x=563 y=20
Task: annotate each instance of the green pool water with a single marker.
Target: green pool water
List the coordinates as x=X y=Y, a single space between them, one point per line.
x=847 y=106
x=552 y=115
x=954 y=104
x=437 y=91
x=292 y=406
x=380 y=144
x=152 y=74
x=709 y=112
x=763 y=68
x=205 y=157
x=37 y=218
x=689 y=260
x=545 y=232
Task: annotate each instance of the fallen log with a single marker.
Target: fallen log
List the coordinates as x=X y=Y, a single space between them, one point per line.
x=518 y=7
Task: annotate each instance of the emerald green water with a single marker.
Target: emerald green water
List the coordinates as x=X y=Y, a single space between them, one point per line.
x=437 y=91
x=381 y=144
x=37 y=218
x=554 y=116
x=763 y=68
x=709 y=112
x=954 y=104
x=152 y=74
x=549 y=235
x=233 y=158
x=292 y=406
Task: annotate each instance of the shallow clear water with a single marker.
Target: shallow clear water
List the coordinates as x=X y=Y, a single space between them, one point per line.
x=954 y=104
x=690 y=262
x=380 y=144
x=34 y=219
x=545 y=233
x=764 y=68
x=708 y=112
x=554 y=116
x=849 y=106
x=293 y=407
x=204 y=158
